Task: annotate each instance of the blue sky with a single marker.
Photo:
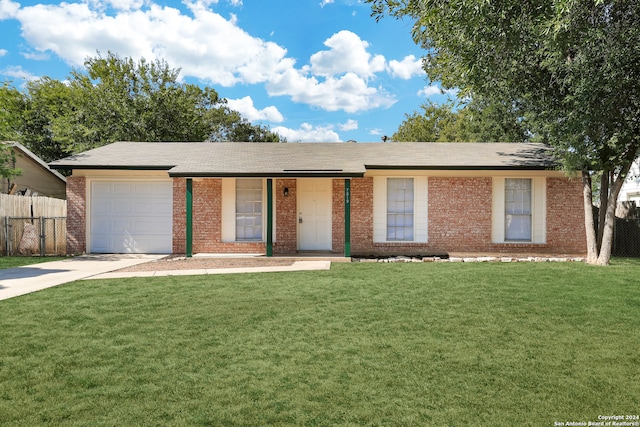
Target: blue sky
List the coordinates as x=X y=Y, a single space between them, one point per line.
x=311 y=70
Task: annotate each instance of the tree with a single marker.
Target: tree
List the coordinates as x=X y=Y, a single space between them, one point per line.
x=119 y=99
x=572 y=66
x=470 y=122
x=10 y=105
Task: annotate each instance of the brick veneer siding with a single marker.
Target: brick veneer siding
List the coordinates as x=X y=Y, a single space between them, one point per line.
x=286 y=217
x=565 y=216
x=179 y=215
x=76 y=215
x=337 y=216
x=460 y=219
x=362 y=216
x=207 y=220
x=460 y=214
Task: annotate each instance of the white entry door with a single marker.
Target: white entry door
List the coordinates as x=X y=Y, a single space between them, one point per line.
x=131 y=217
x=314 y=214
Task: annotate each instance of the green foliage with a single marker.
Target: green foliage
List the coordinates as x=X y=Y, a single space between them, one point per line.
x=489 y=344
x=119 y=99
x=470 y=122
x=572 y=67
x=10 y=105
x=7 y=159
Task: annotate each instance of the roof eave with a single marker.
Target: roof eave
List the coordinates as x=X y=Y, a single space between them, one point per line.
x=463 y=168
x=266 y=174
x=103 y=167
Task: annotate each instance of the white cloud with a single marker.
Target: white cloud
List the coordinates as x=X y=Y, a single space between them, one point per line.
x=205 y=45
x=246 y=108
x=429 y=91
x=8 y=9
x=308 y=133
x=375 y=131
x=348 y=93
x=348 y=54
x=18 y=72
x=348 y=125
x=407 y=68
x=325 y=2
x=117 y=4
x=3 y=52
x=39 y=56
x=208 y=47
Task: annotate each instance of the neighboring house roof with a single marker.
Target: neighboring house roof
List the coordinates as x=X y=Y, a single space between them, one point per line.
x=36 y=175
x=208 y=159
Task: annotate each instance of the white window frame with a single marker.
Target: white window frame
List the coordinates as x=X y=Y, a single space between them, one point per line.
x=400 y=210
x=518 y=207
x=538 y=210
x=228 y=232
x=255 y=213
x=420 y=209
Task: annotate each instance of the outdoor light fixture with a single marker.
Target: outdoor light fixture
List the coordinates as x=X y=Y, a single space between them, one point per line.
x=285 y=191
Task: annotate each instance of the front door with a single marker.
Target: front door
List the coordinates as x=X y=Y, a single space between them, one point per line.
x=314 y=214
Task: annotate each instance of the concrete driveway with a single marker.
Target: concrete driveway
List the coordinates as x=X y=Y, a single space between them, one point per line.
x=30 y=278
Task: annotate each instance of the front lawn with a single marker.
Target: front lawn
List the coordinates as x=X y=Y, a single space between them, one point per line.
x=17 y=261
x=362 y=344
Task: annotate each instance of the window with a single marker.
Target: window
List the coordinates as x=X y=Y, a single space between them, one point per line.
x=400 y=209
x=517 y=209
x=249 y=209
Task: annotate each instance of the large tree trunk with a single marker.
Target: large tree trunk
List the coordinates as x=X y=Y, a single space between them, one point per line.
x=605 y=181
x=609 y=222
x=616 y=180
x=589 y=223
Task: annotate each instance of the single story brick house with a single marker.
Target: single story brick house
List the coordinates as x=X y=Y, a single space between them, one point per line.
x=346 y=198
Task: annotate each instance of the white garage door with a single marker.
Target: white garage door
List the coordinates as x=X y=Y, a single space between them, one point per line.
x=131 y=217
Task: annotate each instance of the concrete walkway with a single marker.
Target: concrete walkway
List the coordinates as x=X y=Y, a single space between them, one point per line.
x=31 y=278
x=296 y=266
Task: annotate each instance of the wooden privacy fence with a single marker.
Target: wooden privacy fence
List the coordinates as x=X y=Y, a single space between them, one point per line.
x=32 y=225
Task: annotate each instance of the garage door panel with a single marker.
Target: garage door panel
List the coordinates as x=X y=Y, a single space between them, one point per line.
x=131 y=217
x=163 y=208
x=122 y=206
x=101 y=226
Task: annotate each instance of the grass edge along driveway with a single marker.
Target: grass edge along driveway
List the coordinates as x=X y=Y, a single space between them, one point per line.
x=362 y=344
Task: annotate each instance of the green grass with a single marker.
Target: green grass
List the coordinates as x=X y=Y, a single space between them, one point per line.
x=17 y=261
x=362 y=344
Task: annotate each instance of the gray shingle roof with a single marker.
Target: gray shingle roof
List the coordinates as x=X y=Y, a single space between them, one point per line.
x=307 y=159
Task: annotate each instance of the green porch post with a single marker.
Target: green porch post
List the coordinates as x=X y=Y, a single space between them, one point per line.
x=269 y=217
x=189 y=217
x=347 y=218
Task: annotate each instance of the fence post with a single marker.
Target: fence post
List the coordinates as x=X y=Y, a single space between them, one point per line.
x=43 y=237
x=55 y=237
x=6 y=233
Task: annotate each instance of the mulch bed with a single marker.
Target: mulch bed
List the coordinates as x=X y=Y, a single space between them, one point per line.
x=181 y=263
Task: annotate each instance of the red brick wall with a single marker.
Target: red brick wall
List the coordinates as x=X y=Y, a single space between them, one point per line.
x=286 y=217
x=565 y=216
x=76 y=215
x=460 y=214
x=362 y=215
x=460 y=219
x=207 y=214
x=179 y=215
x=207 y=220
